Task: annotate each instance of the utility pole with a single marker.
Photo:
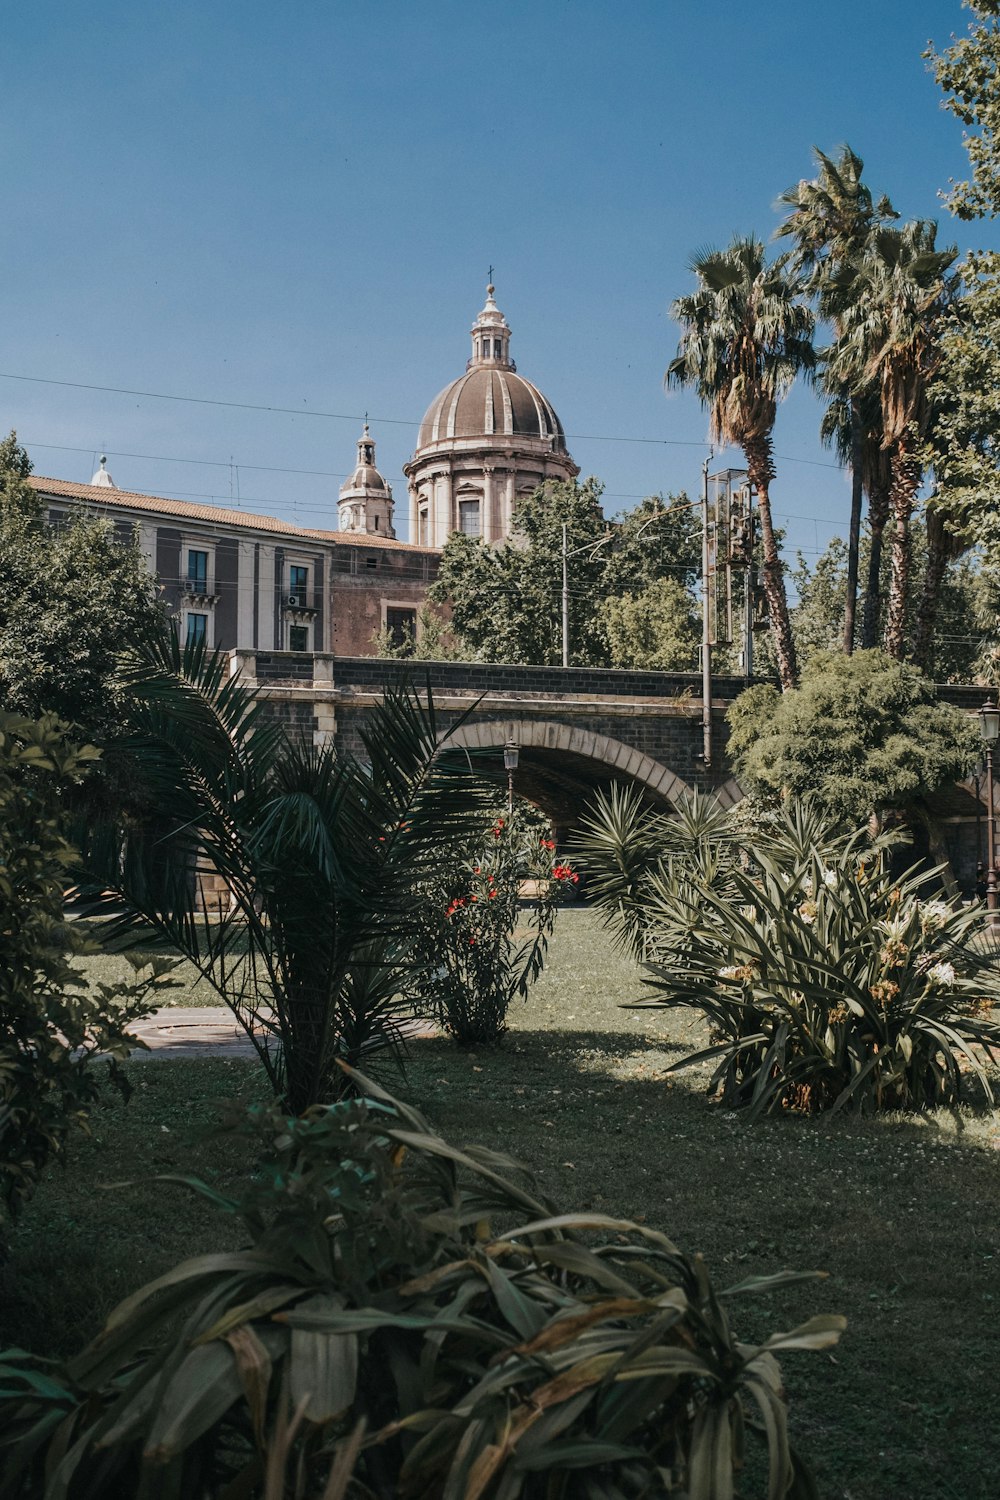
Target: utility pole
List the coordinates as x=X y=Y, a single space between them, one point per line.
x=706 y=623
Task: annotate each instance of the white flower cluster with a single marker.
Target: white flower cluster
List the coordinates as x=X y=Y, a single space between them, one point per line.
x=941 y=974
x=934 y=914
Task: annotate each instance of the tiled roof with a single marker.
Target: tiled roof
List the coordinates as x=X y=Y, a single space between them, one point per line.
x=107 y=499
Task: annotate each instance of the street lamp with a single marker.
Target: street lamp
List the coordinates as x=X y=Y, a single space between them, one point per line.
x=989 y=728
x=510 y=753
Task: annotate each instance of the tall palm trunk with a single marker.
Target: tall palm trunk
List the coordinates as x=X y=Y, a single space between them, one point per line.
x=760 y=471
x=878 y=515
x=854 y=533
x=902 y=496
x=938 y=556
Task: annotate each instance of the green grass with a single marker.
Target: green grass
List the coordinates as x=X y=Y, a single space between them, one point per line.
x=188 y=988
x=902 y=1213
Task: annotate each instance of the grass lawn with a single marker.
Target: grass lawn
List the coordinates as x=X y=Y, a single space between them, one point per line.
x=902 y=1214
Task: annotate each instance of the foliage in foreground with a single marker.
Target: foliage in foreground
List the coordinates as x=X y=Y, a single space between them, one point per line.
x=863 y=734
x=50 y=1025
x=827 y=981
x=380 y=1323
x=323 y=859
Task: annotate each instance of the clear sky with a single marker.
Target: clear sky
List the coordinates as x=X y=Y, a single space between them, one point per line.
x=296 y=204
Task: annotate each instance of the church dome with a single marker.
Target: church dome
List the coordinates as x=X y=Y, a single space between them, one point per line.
x=487 y=441
x=485 y=402
x=491 y=399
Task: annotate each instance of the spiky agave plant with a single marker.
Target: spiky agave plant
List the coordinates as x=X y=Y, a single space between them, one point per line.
x=381 y=1320
x=826 y=980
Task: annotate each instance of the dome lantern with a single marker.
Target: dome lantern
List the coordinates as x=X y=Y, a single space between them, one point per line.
x=491 y=338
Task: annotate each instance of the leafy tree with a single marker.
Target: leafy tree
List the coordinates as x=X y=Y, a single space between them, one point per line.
x=506 y=601
x=891 y=304
x=746 y=335
x=830 y=220
x=963 y=617
x=656 y=630
x=969 y=74
x=51 y=1026
x=433 y=640
x=72 y=597
x=963 y=510
x=864 y=734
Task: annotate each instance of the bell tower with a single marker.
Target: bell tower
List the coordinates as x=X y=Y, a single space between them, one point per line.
x=365 y=498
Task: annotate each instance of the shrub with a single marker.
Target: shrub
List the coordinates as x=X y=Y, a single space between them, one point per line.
x=826 y=980
x=477 y=963
x=50 y=1028
x=862 y=734
x=379 y=1321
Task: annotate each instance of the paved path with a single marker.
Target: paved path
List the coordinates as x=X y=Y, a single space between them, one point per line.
x=192 y=1031
x=178 y=1031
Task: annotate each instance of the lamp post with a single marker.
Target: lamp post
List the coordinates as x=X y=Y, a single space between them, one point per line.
x=510 y=753
x=989 y=728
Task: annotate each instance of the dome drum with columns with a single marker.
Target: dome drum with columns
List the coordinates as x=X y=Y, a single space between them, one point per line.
x=489 y=439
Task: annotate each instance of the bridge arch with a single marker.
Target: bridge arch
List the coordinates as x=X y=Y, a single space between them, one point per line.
x=560 y=765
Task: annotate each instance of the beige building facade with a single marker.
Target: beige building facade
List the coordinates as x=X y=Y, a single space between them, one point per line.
x=243 y=581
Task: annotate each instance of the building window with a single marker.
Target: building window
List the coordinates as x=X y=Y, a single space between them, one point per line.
x=197 y=578
x=298 y=638
x=423 y=528
x=468 y=517
x=197 y=629
x=401 y=625
x=497 y=348
x=298 y=581
x=376 y=523
x=371 y=562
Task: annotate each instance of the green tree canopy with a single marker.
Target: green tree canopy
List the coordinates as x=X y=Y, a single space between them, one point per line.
x=969 y=74
x=72 y=597
x=655 y=629
x=506 y=600
x=864 y=733
x=963 y=617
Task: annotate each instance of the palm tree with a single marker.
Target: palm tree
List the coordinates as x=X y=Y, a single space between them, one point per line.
x=891 y=304
x=746 y=334
x=841 y=421
x=321 y=860
x=830 y=220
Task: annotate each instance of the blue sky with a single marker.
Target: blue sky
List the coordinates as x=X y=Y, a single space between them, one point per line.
x=295 y=205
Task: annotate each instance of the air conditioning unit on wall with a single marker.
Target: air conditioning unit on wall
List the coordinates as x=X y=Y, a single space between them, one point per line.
x=294 y=601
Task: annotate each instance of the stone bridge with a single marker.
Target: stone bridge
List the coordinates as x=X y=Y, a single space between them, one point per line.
x=577 y=728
